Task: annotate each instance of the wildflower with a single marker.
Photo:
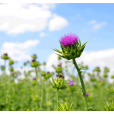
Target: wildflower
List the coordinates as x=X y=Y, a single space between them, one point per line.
x=103 y=79
x=60 y=76
x=34 y=78
x=87 y=94
x=71 y=47
x=33 y=60
x=69 y=40
x=71 y=83
x=12 y=72
x=59 y=65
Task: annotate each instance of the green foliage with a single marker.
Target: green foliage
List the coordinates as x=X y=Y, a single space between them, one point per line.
x=109 y=106
x=65 y=107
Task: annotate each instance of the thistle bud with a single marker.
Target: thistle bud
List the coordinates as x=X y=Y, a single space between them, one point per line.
x=44 y=63
x=5 y=56
x=97 y=69
x=59 y=83
x=60 y=76
x=2 y=67
x=34 y=63
x=58 y=69
x=34 y=56
x=105 y=75
x=43 y=73
x=48 y=75
x=92 y=79
x=112 y=76
x=11 y=62
x=11 y=69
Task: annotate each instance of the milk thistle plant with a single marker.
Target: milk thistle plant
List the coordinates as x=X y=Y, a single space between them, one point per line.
x=72 y=49
x=59 y=83
x=5 y=57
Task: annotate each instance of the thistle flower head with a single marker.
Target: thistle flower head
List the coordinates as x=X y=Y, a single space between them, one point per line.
x=60 y=76
x=59 y=65
x=33 y=60
x=34 y=78
x=69 y=40
x=71 y=83
x=5 y=54
x=87 y=94
x=70 y=47
x=103 y=79
x=12 y=72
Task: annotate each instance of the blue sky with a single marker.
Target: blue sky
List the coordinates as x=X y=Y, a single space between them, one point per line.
x=44 y=24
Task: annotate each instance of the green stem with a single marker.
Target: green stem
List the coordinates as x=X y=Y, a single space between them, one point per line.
x=82 y=82
x=5 y=67
x=57 y=99
x=36 y=72
x=41 y=94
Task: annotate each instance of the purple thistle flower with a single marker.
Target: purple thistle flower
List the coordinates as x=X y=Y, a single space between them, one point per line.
x=71 y=83
x=69 y=40
x=60 y=76
x=5 y=54
x=33 y=60
x=103 y=79
x=34 y=78
x=87 y=94
x=59 y=65
x=12 y=72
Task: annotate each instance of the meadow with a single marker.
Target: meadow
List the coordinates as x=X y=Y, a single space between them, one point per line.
x=39 y=94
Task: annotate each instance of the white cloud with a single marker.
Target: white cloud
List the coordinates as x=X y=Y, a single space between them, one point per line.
x=97 y=26
x=19 y=18
x=42 y=34
x=19 y=51
x=57 y=23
